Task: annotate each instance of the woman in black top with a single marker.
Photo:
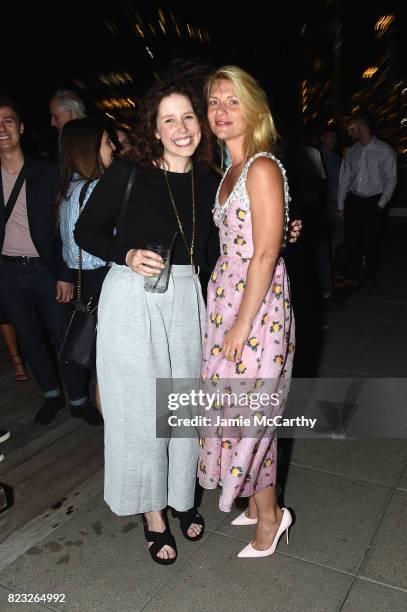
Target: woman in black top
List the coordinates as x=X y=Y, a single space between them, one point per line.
x=143 y=336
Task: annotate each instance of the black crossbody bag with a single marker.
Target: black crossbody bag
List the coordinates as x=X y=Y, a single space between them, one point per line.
x=79 y=344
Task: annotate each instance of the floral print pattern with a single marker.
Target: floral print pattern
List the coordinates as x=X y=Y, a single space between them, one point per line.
x=244 y=465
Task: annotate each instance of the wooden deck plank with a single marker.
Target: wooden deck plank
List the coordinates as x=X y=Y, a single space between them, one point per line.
x=25 y=442
x=25 y=410
x=12 y=397
x=9 y=408
x=45 y=523
x=51 y=468
x=74 y=439
x=50 y=487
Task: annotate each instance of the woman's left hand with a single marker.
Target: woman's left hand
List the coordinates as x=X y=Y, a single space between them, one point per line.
x=295 y=230
x=234 y=341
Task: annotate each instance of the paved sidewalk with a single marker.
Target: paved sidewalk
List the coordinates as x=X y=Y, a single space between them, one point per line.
x=348 y=546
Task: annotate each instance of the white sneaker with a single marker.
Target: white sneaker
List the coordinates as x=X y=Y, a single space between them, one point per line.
x=4 y=435
x=1 y=458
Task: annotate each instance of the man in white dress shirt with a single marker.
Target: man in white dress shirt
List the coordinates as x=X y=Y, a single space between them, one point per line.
x=367 y=181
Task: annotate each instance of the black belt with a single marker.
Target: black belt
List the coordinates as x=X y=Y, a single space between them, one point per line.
x=20 y=259
x=363 y=197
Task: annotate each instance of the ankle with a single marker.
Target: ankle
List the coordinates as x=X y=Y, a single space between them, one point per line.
x=251 y=512
x=155 y=520
x=252 y=508
x=273 y=516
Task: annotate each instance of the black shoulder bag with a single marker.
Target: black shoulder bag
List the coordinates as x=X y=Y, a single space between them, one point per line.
x=79 y=344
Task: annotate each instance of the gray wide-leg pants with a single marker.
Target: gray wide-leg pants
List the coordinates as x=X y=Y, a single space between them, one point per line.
x=143 y=336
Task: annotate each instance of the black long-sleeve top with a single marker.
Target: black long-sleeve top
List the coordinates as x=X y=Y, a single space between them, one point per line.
x=149 y=217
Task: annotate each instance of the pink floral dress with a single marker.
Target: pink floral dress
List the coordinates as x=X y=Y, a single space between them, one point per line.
x=244 y=465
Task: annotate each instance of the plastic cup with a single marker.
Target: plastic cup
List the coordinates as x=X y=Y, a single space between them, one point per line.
x=159 y=282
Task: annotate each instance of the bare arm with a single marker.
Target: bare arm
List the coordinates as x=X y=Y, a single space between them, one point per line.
x=266 y=192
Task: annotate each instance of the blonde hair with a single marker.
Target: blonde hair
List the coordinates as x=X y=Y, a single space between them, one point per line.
x=262 y=134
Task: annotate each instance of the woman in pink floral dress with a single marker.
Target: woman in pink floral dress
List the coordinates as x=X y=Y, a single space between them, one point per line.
x=250 y=326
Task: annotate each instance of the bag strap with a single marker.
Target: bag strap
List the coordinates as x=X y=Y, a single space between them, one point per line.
x=129 y=187
x=15 y=192
x=82 y=195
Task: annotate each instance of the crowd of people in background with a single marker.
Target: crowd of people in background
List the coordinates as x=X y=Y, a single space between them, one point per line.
x=57 y=213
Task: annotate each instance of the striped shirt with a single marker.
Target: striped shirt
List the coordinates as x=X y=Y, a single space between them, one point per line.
x=68 y=216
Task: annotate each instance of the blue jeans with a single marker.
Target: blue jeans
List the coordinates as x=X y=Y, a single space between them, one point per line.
x=28 y=297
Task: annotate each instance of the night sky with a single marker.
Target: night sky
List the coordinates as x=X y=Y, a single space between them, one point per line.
x=44 y=50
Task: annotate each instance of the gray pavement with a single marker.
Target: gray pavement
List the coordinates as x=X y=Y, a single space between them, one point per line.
x=347 y=548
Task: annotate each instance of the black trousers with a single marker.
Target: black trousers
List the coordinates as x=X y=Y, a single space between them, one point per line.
x=27 y=296
x=362 y=235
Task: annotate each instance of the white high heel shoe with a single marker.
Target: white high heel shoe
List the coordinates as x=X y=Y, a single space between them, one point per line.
x=249 y=551
x=242 y=519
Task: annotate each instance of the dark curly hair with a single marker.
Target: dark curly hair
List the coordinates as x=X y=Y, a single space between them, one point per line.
x=148 y=150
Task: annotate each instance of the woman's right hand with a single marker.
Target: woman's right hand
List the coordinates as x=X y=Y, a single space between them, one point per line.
x=146 y=263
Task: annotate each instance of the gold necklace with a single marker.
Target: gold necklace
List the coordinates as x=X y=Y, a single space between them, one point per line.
x=190 y=249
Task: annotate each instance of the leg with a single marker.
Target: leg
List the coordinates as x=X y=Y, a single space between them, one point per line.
x=185 y=346
x=155 y=522
x=56 y=317
x=17 y=302
x=251 y=511
x=131 y=351
x=324 y=264
x=332 y=223
x=269 y=517
x=372 y=216
x=97 y=398
x=353 y=237
x=10 y=339
x=272 y=523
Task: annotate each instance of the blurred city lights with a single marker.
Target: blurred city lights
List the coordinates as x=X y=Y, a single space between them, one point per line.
x=384 y=22
x=116 y=103
x=116 y=78
x=369 y=72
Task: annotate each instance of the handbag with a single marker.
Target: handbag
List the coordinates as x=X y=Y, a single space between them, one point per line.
x=79 y=343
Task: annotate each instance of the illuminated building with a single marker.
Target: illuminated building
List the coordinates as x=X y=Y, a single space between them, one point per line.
x=138 y=43
x=348 y=67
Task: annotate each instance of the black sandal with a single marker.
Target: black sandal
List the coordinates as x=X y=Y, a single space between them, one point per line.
x=159 y=540
x=185 y=521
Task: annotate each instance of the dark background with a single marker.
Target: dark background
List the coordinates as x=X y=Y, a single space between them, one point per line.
x=71 y=44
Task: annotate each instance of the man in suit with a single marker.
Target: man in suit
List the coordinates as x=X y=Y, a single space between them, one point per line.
x=36 y=286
